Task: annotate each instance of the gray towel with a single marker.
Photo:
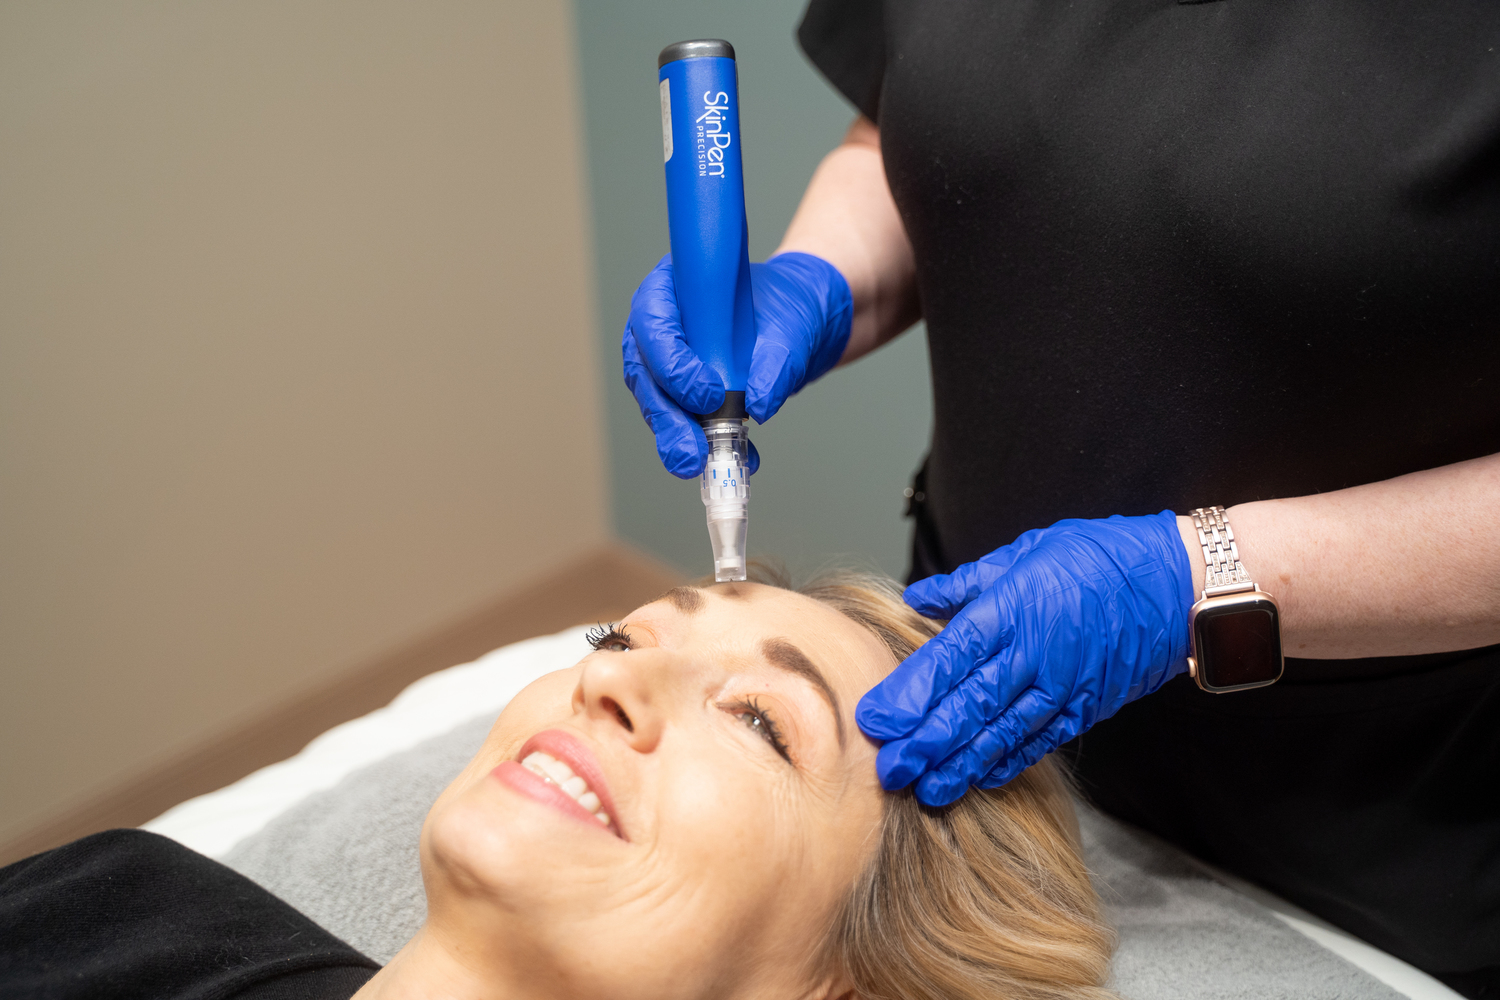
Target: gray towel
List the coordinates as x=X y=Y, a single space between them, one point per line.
x=347 y=857
x=1184 y=935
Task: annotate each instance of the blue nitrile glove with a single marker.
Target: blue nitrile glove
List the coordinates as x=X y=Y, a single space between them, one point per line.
x=802 y=314
x=1049 y=634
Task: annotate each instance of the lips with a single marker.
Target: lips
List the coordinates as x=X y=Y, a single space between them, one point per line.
x=556 y=768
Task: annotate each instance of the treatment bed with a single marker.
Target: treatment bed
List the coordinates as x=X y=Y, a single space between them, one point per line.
x=333 y=830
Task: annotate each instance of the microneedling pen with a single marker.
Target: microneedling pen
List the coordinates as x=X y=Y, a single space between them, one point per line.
x=700 y=125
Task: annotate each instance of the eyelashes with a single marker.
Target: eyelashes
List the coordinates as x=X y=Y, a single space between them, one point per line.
x=749 y=710
x=604 y=636
x=761 y=722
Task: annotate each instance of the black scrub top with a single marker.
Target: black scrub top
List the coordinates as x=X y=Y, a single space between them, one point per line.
x=128 y=914
x=1173 y=255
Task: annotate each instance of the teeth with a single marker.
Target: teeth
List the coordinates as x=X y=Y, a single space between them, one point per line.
x=553 y=770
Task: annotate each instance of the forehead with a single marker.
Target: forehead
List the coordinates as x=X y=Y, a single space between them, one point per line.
x=850 y=655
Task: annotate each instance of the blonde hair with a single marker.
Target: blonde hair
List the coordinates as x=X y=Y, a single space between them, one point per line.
x=986 y=898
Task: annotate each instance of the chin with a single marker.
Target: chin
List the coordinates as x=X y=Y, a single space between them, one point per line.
x=487 y=842
x=513 y=892
x=548 y=899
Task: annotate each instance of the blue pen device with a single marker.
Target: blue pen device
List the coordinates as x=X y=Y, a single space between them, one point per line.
x=700 y=125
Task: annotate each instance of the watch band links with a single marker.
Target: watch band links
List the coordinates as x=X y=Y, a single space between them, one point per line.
x=1226 y=574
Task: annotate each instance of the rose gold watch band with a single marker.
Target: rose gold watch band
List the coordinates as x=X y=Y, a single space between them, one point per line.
x=1226 y=574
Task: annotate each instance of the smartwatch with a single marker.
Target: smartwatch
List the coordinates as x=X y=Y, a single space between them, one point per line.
x=1235 y=626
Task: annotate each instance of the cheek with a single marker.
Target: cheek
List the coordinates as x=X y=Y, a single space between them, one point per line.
x=727 y=820
x=736 y=842
x=775 y=853
x=544 y=702
x=541 y=704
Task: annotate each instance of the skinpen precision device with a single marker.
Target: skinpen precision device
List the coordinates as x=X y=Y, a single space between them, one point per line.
x=700 y=127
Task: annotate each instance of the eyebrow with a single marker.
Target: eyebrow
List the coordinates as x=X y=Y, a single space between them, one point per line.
x=788 y=657
x=688 y=600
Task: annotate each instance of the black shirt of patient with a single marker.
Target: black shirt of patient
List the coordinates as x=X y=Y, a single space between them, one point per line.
x=1180 y=254
x=127 y=914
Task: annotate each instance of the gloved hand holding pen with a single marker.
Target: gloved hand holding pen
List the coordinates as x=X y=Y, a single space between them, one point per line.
x=803 y=311
x=1048 y=635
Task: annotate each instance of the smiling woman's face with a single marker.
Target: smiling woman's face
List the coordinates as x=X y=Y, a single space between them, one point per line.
x=715 y=733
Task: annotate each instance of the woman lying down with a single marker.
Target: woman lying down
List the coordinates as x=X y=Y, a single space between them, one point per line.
x=690 y=812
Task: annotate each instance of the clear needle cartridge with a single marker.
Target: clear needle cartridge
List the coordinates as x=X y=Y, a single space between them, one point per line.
x=725 y=487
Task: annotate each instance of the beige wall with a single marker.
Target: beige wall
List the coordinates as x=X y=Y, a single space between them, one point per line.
x=296 y=356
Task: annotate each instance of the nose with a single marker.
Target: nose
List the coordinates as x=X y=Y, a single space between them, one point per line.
x=624 y=693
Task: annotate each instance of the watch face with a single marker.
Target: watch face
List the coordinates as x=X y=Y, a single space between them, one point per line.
x=1238 y=644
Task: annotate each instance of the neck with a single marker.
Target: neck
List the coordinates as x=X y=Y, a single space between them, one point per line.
x=427 y=969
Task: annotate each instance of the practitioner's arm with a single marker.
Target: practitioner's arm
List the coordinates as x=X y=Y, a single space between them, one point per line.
x=848 y=218
x=1410 y=565
x=1067 y=624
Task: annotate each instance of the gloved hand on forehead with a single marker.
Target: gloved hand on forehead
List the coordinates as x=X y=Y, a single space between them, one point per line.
x=803 y=311
x=1047 y=636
